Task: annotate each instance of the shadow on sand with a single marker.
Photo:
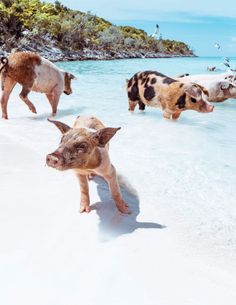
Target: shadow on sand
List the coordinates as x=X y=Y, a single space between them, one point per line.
x=60 y=113
x=112 y=222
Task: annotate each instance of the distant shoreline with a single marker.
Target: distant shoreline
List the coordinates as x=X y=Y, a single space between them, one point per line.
x=56 y=55
x=119 y=58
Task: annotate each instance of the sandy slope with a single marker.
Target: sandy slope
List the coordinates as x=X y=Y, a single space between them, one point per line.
x=52 y=255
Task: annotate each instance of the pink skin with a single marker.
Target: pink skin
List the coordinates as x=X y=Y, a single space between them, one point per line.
x=89 y=162
x=209 y=108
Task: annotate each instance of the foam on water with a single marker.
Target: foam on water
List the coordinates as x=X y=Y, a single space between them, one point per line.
x=184 y=170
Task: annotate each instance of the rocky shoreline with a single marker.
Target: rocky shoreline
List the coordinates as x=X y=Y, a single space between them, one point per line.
x=48 y=49
x=55 y=54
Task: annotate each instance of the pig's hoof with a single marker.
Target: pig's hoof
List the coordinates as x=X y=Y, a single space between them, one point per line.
x=123 y=208
x=32 y=109
x=84 y=208
x=5 y=116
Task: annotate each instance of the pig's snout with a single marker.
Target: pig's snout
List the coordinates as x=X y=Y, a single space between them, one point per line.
x=210 y=108
x=68 y=92
x=54 y=160
x=207 y=108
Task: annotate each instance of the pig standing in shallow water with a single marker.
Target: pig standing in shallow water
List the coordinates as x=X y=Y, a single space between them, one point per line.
x=84 y=148
x=220 y=86
x=34 y=73
x=157 y=90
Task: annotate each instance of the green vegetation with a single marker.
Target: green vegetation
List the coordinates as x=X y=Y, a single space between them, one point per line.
x=24 y=21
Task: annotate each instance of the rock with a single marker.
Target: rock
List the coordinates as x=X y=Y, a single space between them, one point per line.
x=47 y=47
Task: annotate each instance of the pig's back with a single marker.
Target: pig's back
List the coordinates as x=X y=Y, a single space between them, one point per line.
x=28 y=67
x=204 y=78
x=48 y=76
x=90 y=122
x=21 y=66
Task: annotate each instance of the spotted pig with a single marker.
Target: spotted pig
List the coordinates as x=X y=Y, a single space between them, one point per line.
x=151 y=88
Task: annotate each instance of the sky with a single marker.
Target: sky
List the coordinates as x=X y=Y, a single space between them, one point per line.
x=200 y=23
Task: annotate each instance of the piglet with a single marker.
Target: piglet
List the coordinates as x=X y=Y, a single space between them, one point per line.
x=84 y=148
x=33 y=73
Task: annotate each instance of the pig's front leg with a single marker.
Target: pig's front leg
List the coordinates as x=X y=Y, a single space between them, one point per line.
x=84 y=193
x=111 y=179
x=166 y=115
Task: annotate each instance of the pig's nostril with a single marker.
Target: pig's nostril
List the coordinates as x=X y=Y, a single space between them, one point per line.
x=52 y=160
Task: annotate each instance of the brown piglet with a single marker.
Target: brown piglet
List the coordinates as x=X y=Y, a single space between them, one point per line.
x=84 y=148
x=33 y=73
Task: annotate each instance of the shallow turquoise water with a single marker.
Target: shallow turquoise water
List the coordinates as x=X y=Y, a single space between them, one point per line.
x=184 y=173
x=185 y=170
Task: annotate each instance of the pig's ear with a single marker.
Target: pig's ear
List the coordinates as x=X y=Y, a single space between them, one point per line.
x=61 y=126
x=204 y=90
x=71 y=76
x=103 y=136
x=193 y=90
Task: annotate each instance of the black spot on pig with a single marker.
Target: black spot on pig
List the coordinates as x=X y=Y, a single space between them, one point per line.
x=143 y=80
x=141 y=105
x=141 y=75
x=181 y=101
x=168 y=80
x=181 y=85
x=149 y=93
x=153 y=80
x=133 y=94
x=130 y=82
x=146 y=83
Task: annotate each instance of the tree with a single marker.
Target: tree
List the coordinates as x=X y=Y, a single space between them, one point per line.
x=7 y=3
x=111 y=36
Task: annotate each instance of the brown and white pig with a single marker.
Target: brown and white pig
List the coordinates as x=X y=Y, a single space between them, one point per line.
x=33 y=73
x=84 y=148
x=219 y=86
x=154 y=89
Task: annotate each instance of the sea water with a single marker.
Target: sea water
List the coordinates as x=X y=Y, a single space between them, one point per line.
x=184 y=170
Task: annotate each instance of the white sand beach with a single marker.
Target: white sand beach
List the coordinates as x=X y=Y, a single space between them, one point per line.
x=176 y=248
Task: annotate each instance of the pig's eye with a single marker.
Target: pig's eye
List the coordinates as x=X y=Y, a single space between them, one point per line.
x=81 y=147
x=193 y=100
